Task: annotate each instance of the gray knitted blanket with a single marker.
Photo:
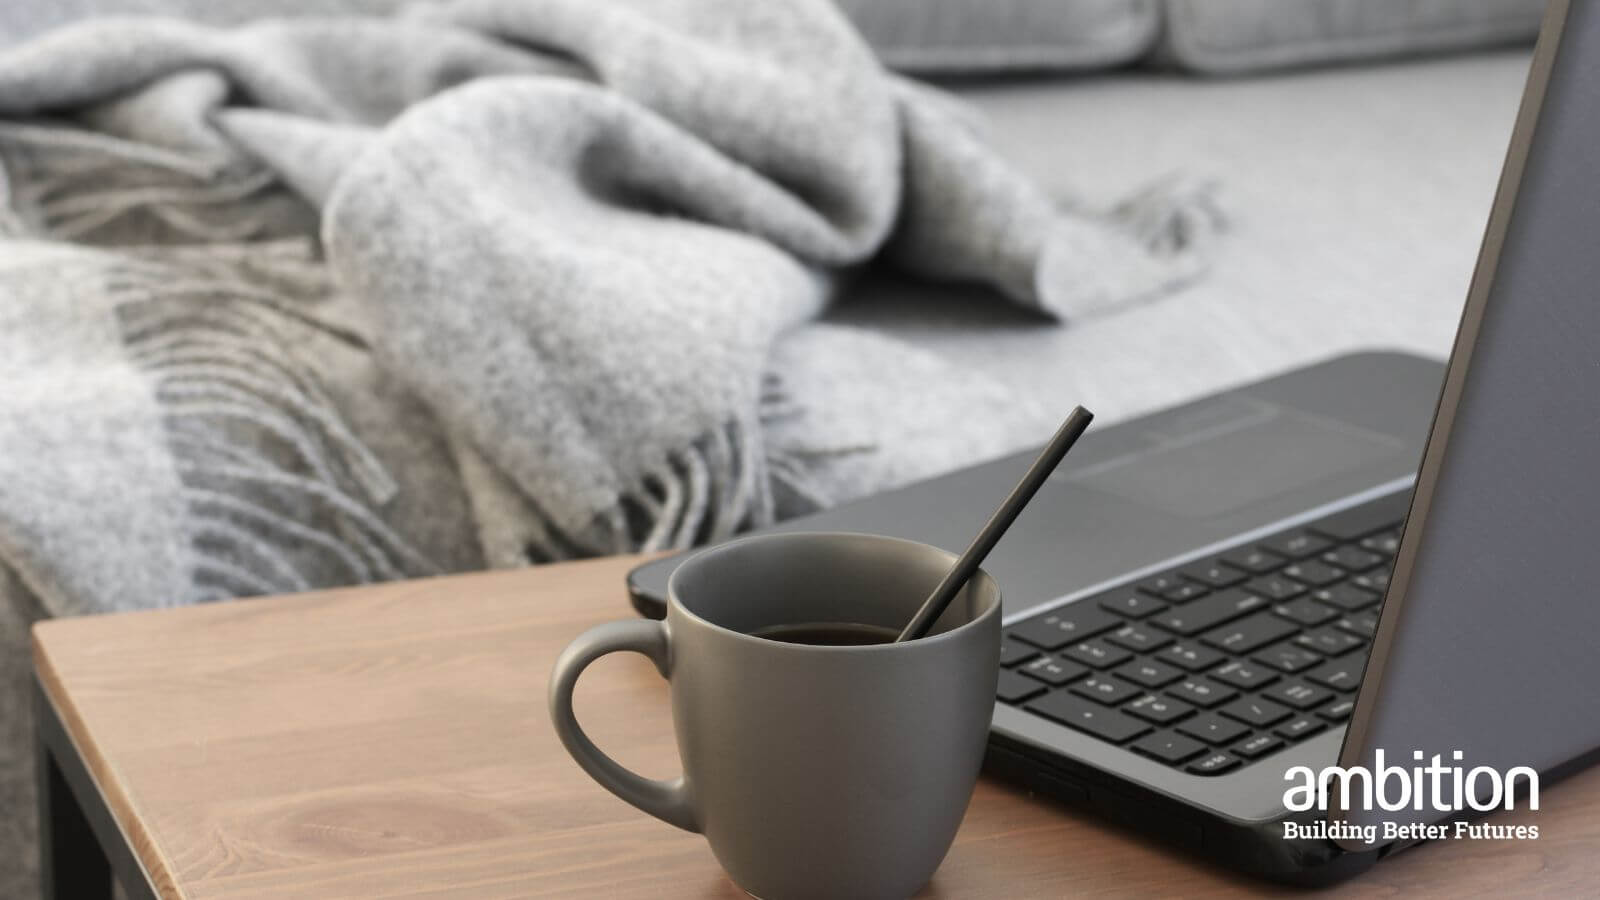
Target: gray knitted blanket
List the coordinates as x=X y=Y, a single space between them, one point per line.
x=316 y=301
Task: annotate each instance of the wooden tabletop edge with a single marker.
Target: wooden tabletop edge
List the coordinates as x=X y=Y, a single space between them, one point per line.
x=117 y=802
x=46 y=631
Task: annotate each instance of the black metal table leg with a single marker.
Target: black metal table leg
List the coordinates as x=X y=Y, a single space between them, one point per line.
x=80 y=843
x=71 y=863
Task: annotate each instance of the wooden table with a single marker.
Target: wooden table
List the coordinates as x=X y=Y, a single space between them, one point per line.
x=392 y=741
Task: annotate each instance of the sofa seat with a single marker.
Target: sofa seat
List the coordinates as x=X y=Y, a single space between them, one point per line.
x=1357 y=196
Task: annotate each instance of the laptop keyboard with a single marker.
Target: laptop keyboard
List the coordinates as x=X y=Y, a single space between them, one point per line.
x=1220 y=662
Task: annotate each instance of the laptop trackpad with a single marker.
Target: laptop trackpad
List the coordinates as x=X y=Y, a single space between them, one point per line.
x=1227 y=455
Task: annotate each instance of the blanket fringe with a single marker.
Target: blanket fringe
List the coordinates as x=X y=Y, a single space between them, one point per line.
x=1179 y=215
x=11 y=224
x=280 y=490
x=80 y=183
x=793 y=470
x=212 y=329
x=708 y=491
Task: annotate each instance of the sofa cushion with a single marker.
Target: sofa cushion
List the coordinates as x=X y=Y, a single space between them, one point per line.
x=957 y=36
x=1228 y=36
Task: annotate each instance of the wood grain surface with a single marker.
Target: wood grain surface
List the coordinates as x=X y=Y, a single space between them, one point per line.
x=392 y=741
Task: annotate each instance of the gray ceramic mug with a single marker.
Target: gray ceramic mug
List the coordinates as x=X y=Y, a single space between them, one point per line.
x=813 y=771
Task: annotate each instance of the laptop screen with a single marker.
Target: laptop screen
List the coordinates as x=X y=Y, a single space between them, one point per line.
x=1487 y=654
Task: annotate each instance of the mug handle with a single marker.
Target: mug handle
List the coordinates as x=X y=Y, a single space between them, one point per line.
x=668 y=801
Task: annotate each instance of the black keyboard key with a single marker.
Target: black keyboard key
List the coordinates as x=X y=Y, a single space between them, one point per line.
x=1340 y=674
x=1086 y=715
x=1186 y=591
x=1202 y=692
x=1210 y=612
x=1338 y=712
x=1244 y=675
x=1013 y=688
x=1214 y=763
x=1352 y=558
x=1254 y=560
x=1169 y=747
x=1314 y=573
x=1097 y=653
x=1150 y=673
x=1384 y=542
x=1376 y=582
x=1257 y=746
x=1140 y=638
x=1158 y=709
x=1132 y=604
x=1296 y=544
x=1347 y=597
x=1305 y=611
x=1297 y=694
x=1193 y=657
x=1213 y=729
x=1053 y=671
x=1362 y=625
x=1378 y=515
x=1299 y=727
x=1287 y=657
x=1104 y=688
x=1255 y=711
x=1160 y=584
x=1329 y=641
x=1065 y=626
x=1013 y=652
x=1216 y=574
x=1249 y=633
x=1275 y=587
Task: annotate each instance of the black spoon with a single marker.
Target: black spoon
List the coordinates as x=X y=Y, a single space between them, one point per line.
x=1077 y=421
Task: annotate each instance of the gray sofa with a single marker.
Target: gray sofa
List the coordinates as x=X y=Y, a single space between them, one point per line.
x=943 y=37
x=1357 y=195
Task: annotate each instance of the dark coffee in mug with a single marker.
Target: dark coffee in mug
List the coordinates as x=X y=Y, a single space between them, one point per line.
x=828 y=634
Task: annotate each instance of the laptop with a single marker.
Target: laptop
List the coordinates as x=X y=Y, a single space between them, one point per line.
x=1301 y=573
